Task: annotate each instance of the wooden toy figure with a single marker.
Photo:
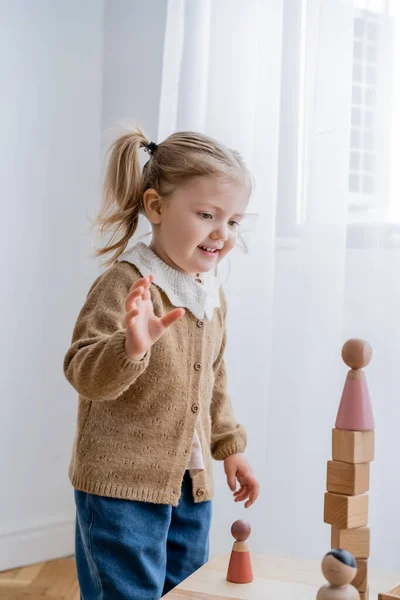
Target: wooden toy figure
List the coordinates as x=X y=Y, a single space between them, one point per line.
x=339 y=568
x=239 y=569
x=355 y=410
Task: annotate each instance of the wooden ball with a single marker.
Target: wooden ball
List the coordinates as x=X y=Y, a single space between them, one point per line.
x=241 y=530
x=357 y=354
x=339 y=567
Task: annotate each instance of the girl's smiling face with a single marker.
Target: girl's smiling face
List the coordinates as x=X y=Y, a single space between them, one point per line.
x=196 y=226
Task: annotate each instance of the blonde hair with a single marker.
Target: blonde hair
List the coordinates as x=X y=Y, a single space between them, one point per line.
x=179 y=157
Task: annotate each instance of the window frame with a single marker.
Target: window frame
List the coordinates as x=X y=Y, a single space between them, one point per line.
x=291 y=198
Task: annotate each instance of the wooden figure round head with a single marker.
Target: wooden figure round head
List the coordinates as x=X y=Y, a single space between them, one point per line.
x=241 y=530
x=357 y=354
x=339 y=567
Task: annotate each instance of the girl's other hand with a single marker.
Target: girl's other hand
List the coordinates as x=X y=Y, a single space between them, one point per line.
x=238 y=469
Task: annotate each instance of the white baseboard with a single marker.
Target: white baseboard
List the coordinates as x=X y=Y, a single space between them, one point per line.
x=36 y=544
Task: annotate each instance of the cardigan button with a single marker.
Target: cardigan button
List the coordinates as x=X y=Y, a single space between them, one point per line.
x=200 y=323
x=195 y=408
x=197 y=366
x=200 y=492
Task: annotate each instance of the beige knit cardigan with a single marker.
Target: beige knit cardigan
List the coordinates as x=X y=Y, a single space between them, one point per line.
x=136 y=419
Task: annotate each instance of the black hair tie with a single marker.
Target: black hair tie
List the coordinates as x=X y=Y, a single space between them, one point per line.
x=151 y=148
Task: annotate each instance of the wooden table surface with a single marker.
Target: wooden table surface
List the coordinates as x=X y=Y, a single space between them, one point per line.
x=275 y=578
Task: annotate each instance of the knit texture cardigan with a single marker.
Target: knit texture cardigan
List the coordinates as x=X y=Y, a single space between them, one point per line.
x=136 y=419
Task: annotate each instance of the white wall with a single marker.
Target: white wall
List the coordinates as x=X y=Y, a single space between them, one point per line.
x=133 y=52
x=50 y=122
x=70 y=71
x=133 y=55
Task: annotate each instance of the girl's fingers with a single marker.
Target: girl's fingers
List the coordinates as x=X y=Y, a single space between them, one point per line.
x=252 y=498
x=231 y=479
x=172 y=316
x=139 y=283
x=132 y=298
x=252 y=495
x=241 y=498
x=143 y=281
x=130 y=316
x=136 y=292
x=142 y=285
x=244 y=493
x=146 y=293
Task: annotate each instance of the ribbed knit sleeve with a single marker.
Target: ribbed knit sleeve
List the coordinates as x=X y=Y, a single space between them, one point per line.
x=227 y=436
x=96 y=363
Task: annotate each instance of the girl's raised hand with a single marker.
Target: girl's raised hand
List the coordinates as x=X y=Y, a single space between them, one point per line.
x=143 y=328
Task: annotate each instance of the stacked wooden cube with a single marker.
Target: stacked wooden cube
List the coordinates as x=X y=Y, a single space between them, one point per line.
x=393 y=594
x=346 y=498
x=347 y=479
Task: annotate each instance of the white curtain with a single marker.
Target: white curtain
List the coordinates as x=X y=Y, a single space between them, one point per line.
x=307 y=90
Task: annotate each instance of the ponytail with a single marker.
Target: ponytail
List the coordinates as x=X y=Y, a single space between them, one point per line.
x=122 y=196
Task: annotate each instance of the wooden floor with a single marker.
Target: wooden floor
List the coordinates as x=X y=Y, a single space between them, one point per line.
x=54 y=580
x=276 y=578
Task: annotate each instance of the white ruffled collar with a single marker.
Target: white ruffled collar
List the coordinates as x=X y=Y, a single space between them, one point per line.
x=182 y=289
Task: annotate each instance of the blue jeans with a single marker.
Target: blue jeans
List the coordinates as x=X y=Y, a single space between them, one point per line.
x=128 y=550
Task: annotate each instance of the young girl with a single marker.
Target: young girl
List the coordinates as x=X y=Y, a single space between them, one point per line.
x=147 y=360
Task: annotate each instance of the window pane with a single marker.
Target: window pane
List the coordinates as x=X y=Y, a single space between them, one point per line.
x=354 y=161
x=356 y=116
x=359 y=28
x=368 y=185
x=368 y=141
x=372 y=32
x=370 y=75
x=368 y=118
x=370 y=97
x=368 y=162
x=354 y=182
x=358 y=51
x=372 y=53
x=355 y=138
x=356 y=98
x=357 y=72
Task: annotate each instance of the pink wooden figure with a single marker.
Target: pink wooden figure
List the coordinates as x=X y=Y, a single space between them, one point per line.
x=355 y=410
x=239 y=569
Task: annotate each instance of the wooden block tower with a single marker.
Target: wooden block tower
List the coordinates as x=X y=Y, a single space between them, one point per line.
x=347 y=480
